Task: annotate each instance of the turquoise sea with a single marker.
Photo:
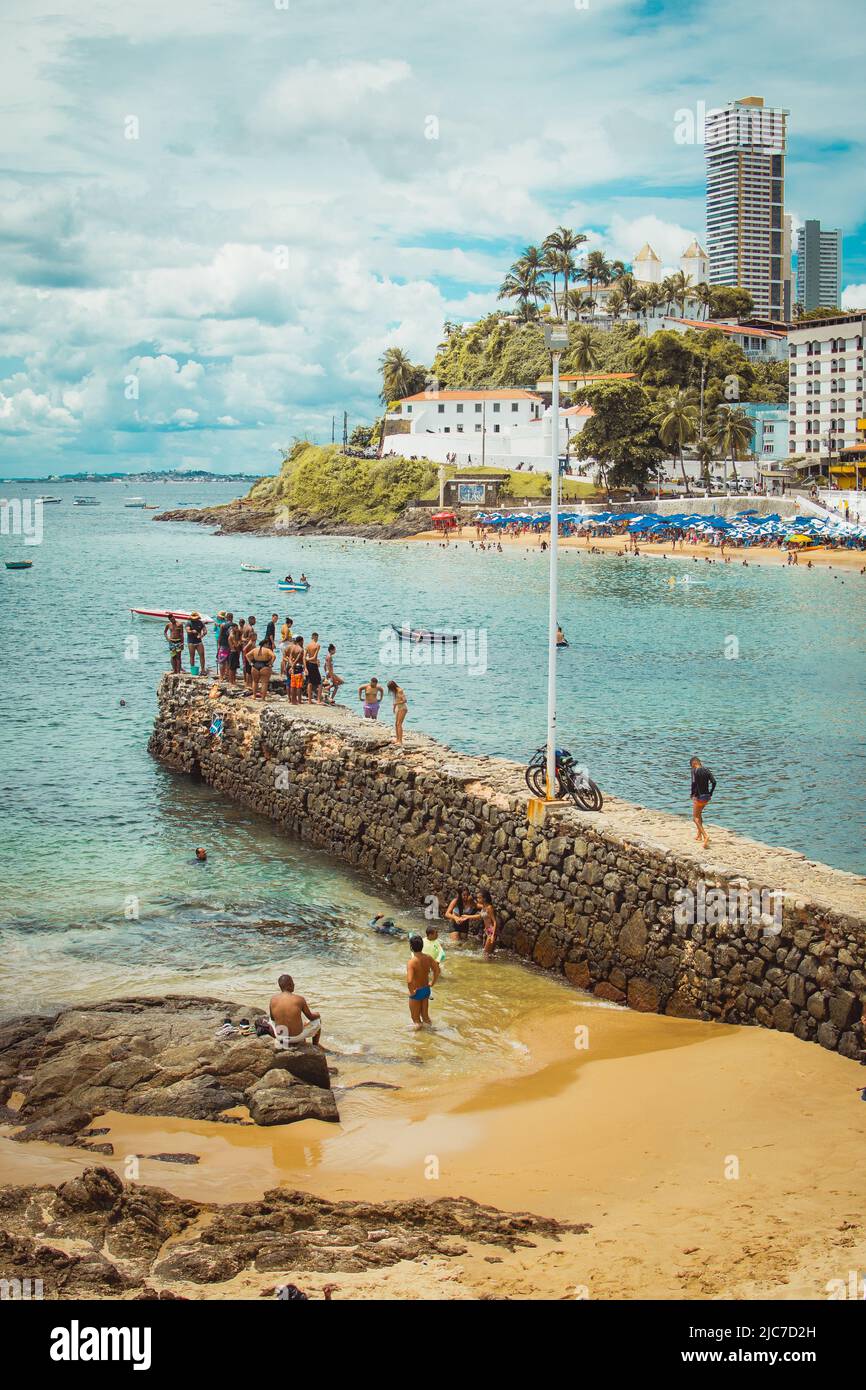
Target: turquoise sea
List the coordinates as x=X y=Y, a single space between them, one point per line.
x=100 y=893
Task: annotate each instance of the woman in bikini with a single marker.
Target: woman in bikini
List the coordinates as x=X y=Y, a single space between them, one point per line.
x=487 y=917
x=400 y=707
x=260 y=660
x=460 y=906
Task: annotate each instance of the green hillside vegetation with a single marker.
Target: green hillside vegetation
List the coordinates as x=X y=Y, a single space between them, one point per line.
x=320 y=482
x=499 y=351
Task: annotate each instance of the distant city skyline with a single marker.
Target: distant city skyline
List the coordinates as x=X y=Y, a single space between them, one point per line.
x=215 y=220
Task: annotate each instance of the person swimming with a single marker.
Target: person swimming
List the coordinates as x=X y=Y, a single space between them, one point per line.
x=385 y=926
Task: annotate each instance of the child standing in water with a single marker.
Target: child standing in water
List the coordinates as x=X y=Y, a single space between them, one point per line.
x=422 y=972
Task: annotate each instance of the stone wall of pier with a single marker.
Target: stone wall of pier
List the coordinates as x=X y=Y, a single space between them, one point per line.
x=594 y=898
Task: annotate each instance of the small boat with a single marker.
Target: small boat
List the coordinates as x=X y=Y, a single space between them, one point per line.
x=137 y=502
x=163 y=613
x=46 y=500
x=422 y=634
x=295 y=586
x=257 y=569
x=19 y=564
x=86 y=502
x=151 y=506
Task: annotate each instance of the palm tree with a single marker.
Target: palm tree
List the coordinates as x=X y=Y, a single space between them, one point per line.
x=616 y=302
x=677 y=417
x=667 y=292
x=520 y=284
x=532 y=263
x=582 y=351
x=732 y=432
x=680 y=290
x=705 y=452
x=398 y=375
x=617 y=270
x=703 y=293
x=654 y=298
x=563 y=243
x=596 y=270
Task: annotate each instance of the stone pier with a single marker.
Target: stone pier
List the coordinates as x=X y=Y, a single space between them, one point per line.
x=623 y=903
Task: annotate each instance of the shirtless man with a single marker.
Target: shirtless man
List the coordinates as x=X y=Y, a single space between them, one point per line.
x=422 y=972
x=371 y=694
x=311 y=665
x=173 y=632
x=295 y=668
x=288 y=1012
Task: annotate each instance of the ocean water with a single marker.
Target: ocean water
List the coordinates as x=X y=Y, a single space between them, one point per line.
x=100 y=892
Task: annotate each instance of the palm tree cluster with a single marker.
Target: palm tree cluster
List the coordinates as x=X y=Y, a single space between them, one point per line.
x=727 y=433
x=550 y=274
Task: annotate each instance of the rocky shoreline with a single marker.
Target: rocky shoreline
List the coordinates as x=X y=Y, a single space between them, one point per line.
x=96 y=1237
x=155 y=1057
x=236 y=518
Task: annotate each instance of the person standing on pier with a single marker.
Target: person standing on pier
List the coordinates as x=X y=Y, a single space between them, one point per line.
x=371 y=694
x=400 y=707
x=173 y=633
x=703 y=786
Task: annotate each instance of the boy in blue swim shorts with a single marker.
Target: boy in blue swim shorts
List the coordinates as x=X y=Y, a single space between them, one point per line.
x=422 y=972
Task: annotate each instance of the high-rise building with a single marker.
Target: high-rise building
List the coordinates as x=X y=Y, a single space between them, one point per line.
x=745 y=149
x=819 y=267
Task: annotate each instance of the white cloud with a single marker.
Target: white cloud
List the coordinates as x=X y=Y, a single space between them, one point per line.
x=306 y=129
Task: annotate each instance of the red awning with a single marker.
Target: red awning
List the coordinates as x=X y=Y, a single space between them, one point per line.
x=444 y=516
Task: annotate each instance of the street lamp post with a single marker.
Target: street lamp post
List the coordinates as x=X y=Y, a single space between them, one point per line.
x=556 y=341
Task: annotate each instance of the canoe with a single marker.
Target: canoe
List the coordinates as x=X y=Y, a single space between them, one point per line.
x=19 y=564
x=257 y=569
x=421 y=634
x=296 y=588
x=164 y=613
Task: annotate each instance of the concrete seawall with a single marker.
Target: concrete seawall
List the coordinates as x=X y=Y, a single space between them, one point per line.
x=623 y=903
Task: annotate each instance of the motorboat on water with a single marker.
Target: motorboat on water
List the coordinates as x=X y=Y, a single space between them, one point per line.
x=137 y=502
x=19 y=564
x=46 y=500
x=294 y=585
x=257 y=569
x=423 y=634
x=86 y=502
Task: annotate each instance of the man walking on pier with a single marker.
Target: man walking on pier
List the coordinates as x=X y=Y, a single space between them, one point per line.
x=703 y=786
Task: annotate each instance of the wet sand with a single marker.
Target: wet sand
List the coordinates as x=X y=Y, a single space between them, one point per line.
x=756 y=556
x=711 y=1162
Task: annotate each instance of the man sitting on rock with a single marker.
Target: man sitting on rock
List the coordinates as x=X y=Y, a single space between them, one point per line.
x=288 y=1011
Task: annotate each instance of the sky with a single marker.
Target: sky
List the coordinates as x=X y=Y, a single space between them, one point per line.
x=216 y=215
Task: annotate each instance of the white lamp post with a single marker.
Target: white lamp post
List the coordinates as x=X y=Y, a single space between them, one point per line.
x=556 y=341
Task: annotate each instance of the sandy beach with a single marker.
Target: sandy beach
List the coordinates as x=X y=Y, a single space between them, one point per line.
x=822 y=557
x=709 y=1161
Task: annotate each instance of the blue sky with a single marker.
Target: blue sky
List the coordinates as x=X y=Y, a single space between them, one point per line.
x=215 y=216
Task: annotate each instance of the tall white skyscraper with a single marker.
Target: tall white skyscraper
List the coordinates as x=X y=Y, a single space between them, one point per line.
x=746 y=237
x=819 y=267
